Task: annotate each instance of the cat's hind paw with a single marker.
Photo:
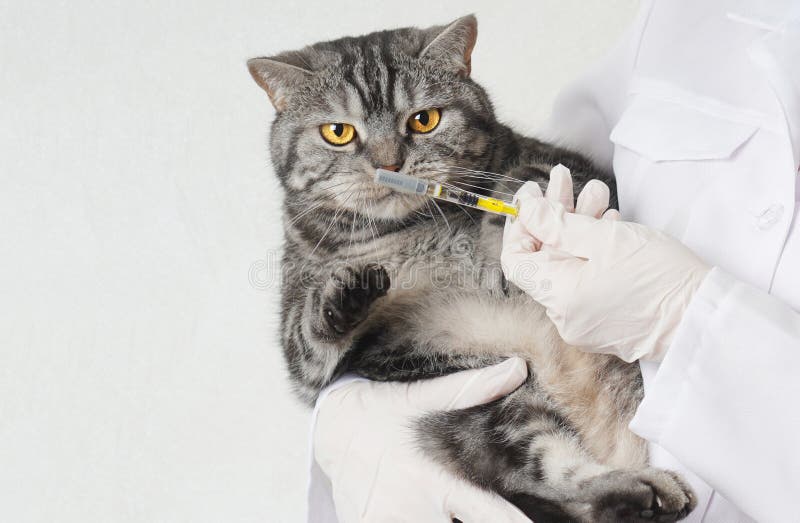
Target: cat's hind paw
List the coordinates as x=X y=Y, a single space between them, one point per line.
x=646 y=495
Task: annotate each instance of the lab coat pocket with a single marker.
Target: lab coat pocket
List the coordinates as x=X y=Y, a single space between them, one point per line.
x=669 y=153
x=662 y=130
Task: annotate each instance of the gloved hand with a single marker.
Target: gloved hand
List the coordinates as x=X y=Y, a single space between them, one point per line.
x=365 y=444
x=609 y=286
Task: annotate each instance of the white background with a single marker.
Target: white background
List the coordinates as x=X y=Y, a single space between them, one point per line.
x=140 y=374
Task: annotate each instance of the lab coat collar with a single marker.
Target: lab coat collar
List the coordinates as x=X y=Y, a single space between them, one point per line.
x=778 y=53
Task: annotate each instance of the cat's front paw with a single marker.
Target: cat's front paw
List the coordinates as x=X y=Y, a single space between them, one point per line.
x=647 y=495
x=347 y=296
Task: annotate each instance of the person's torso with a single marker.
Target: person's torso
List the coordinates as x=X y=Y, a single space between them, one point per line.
x=706 y=149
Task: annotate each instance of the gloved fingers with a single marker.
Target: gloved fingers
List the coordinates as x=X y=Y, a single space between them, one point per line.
x=612 y=214
x=545 y=274
x=576 y=234
x=593 y=199
x=531 y=188
x=513 y=232
x=469 y=387
x=560 y=187
x=516 y=241
x=519 y=267
x=471 y=504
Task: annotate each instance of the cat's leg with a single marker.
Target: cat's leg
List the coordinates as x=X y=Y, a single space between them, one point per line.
x=344 y=301
x=523 y=446
x=535 y=159
x=524 y=449
x=320 y=321
x=390 y=350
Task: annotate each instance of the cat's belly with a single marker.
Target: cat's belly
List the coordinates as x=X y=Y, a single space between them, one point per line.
x=598 y=393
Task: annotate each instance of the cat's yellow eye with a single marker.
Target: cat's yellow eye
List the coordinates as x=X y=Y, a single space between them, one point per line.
x=424 y=121
x=337 y=133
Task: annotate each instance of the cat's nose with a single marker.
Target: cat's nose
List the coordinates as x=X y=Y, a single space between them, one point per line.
x=394 y=168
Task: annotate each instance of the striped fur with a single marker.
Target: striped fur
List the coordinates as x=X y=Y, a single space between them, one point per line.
x=393 y=288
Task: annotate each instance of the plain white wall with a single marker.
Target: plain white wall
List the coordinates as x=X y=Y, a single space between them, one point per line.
x=140 y=374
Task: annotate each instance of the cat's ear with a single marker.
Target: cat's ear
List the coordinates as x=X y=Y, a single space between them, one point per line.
x=452 y=46
x=279 y=76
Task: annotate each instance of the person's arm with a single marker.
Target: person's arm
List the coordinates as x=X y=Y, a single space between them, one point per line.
x=724 y=401
x=725 y=398
x=366 y=464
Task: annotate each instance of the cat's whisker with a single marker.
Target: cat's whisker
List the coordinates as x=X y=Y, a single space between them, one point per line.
x=365 y=221
x=339 y=210
x=432 y=215
x=430 y=211
x=446 y=222
x=483 y=177
x=491 y=176
x=329 y=187
x=353 y=227
x=467 y=213
x=373 y=227
x=473 y=177
x=317 y=205
x=499 y=181
x=477 y=171
x=424 y=215
x=455 y=183
x=487 y=174
x=305 y=212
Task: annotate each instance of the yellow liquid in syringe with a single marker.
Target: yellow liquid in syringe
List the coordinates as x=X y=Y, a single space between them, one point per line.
x=410 y=184
x=470 y=199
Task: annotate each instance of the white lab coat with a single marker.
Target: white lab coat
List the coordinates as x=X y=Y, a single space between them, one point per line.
x=698 y=111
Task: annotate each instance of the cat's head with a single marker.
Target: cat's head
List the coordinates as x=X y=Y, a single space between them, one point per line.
x=400 y=99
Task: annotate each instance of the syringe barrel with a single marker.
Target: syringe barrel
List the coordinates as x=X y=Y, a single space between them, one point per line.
x=401 y=182
x=409 y=184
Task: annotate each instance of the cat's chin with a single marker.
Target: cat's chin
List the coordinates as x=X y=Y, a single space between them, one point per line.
x=393 y=208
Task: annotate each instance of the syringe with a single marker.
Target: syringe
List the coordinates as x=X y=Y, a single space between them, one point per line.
x=409 y=184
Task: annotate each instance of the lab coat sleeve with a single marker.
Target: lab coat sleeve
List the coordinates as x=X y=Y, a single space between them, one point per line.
x=585 y=112
x=725 y=399
x=321 y=508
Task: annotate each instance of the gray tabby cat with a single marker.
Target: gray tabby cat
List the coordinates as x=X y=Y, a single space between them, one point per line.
x=383 y=285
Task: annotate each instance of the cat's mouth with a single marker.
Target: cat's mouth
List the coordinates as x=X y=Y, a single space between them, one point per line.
x=376 y=194
x=366 y=197
x=376 y=201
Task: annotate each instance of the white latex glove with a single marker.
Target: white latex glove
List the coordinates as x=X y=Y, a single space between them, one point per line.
x=365 y=444
x=609 y=286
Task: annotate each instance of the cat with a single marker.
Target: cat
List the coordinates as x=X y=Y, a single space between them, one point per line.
x=388 y=286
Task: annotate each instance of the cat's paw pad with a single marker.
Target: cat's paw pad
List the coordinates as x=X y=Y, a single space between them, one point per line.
x=640 y=496
x=348 y=295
